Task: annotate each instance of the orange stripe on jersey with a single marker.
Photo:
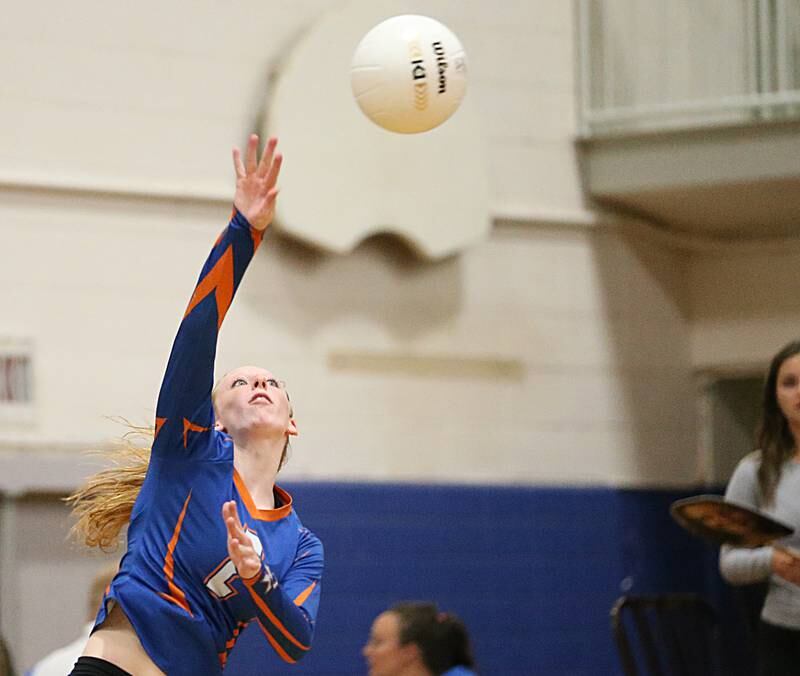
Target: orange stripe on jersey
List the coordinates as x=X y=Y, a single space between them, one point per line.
x=176 y=594
x=218 y=280
x=283 y=654
x=223 y=657
x=159 y=424
x=303 y=595
x=257 y=236
x=191 y=427
x=275 y=621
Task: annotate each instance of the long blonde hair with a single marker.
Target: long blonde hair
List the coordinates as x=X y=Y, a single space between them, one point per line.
x=102 y=505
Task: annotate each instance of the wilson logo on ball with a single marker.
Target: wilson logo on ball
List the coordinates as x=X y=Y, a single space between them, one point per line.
x=409 y=74
x=419 y=76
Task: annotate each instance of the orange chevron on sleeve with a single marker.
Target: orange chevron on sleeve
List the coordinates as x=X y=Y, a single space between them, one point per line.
x=303 y=595
x=176 y=594
x=191 y=427
x=218 y=280
x=257 y=236
x=159 y=424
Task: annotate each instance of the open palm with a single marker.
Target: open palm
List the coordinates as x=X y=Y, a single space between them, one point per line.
x=240 y=548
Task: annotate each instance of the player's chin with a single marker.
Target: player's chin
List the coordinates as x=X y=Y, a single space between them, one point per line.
x=268 y=424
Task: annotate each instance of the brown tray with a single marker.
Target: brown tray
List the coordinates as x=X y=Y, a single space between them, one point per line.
x=718 y=521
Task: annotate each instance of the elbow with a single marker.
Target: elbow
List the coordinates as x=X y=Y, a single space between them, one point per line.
x=298 y=656
x=291 y=648
x=293 y=654
x=304 y=639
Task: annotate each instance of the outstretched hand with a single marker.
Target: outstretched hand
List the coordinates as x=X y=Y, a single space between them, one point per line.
x=240 y=548
x=255 y=182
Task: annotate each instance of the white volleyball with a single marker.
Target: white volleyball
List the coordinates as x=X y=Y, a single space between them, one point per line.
x=409 y=74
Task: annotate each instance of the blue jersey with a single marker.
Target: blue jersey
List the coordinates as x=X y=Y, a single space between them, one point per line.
x=176 y=583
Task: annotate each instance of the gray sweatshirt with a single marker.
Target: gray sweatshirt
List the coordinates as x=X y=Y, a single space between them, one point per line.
x=745 y=566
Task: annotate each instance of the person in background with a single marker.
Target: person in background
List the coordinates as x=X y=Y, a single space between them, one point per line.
x=416 y=639
x=769 y=480
x=61 y=661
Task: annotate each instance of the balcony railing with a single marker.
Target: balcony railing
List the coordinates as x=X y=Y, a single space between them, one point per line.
x=653 y=66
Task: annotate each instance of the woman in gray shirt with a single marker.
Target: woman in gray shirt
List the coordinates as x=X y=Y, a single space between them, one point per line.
x=769 y=480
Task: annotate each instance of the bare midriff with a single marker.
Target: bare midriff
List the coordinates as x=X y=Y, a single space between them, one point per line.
x=116 y=642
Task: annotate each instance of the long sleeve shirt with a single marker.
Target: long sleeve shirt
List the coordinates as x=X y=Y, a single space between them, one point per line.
x=177 y=585
x=746 y=566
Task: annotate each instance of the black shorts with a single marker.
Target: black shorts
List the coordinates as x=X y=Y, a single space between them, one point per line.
x=94 y=666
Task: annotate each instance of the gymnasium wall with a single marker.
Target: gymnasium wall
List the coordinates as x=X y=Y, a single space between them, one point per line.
x=655 y=54
x=745 y=304
x=532 y=570
x=537 y=376
x=538 y=344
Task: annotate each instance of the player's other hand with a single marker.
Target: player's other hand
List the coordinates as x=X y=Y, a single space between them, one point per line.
x=255 y=182
x=240 y=548
x=786 y=564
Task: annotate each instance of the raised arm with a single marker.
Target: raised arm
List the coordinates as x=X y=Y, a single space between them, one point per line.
x=184 y=412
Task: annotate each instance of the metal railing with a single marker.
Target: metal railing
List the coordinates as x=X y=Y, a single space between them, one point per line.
x=651 y=66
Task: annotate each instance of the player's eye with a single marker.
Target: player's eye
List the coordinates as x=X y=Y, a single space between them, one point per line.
x=238 y=381
x=273 y=383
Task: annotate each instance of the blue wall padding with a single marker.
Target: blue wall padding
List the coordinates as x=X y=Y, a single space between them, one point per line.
x=532 y=571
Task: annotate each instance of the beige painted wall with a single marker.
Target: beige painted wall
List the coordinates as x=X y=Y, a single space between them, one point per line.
x=151 y=97
x=745 y=304
x=648 y=54
x=149 y=100
x=539 y=345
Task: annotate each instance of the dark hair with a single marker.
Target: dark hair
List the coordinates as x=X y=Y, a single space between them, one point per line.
x=442 y=638
x=774 y=437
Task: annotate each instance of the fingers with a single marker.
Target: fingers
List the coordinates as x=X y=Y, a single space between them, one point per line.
x=238 y=167
x=274 y=170
x=243 y=554
x=235 y=550
x=265 y=165
x=269 y=164
x=272 y=195
x=251 y=156
x=247 y=564
x=231 y=518
x=786 y=565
